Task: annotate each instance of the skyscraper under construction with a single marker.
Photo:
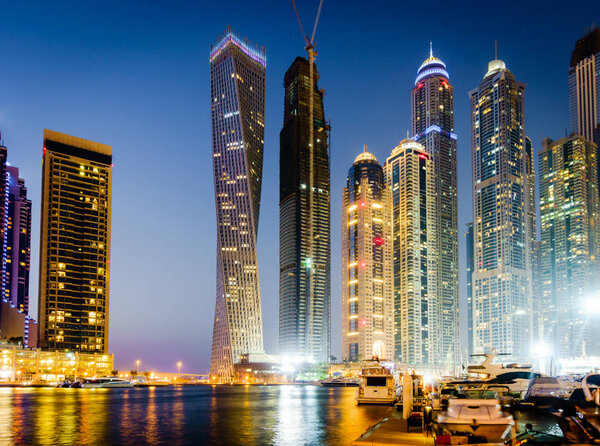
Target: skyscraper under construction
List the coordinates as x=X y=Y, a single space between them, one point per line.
x=237 y=89
x=304 y=206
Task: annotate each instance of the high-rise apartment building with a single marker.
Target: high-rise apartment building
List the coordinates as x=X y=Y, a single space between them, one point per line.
x=75 y=244
x=502 y=278
x=237 y=89
x=18 y=251
x=432 y=105
x=3 y=217
x=367 y=269
x=410 y=178
x=584 y=87
x=470 y=268
x=570 y=247
x=304 y=221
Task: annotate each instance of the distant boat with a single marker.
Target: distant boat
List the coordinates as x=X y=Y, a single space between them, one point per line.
x=340 y=382
x=105 y=383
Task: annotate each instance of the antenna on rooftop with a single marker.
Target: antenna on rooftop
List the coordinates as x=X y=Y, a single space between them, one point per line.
x=364 y=148
x=495 y=50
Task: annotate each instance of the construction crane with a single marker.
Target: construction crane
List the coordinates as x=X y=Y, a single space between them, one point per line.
x=309 y=262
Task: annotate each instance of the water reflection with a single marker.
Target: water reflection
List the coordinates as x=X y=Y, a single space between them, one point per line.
x=227 y=415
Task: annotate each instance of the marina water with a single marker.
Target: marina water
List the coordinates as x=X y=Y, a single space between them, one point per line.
x=181 y=415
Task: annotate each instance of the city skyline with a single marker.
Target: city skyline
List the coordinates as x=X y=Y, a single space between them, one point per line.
x=349 y=142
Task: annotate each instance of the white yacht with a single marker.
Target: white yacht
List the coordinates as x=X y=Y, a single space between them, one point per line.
x=479 y=421
x=377 y=386
x=110 y=382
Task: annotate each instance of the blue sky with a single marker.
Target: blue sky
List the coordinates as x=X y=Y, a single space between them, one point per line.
x=135 y=75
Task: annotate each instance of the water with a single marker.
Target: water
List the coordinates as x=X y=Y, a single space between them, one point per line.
x=279 y=415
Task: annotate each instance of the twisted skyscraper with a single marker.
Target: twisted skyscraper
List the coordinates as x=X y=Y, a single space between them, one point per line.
x=237 y=88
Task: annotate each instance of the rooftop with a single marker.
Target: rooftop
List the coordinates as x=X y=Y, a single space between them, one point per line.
x=257 y=55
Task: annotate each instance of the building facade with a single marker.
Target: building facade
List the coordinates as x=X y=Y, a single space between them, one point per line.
x=584 y=87
x=75 y=244
x=410 y=178
x=304 y=221
x=503 y=274
x=432 y=105
x=237 y=86
x=570 y=247
x=18 y=255
x=470 y=268
x=367 y=269
x=4 y=202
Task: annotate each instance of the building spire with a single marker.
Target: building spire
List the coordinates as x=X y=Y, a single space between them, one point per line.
x=364 y=148
x=430 y=49
x=495 y=50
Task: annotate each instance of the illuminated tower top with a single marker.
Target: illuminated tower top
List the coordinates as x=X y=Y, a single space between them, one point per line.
x=432 y=66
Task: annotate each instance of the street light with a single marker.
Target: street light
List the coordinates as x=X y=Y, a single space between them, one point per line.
x=179 y=367
x=137 y=366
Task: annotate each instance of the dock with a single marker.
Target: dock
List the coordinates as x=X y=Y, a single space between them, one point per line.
x=392 y=431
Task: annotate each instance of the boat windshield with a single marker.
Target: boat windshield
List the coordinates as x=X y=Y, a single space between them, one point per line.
x=376 y=381
x=480 y=394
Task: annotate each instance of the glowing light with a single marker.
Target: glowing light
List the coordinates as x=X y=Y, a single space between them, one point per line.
x=252 y=53
x=379 y=241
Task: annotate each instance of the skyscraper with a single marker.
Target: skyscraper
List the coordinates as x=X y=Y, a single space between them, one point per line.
x=570 y=246
x=367 y=269
x=470 y=268
x=410 y=178
x=18 y=241
x=237 y=88
x=432 y=108
x=304 y=221
x=75 y=244
x=3 y=216
x=502 y=279
x=584 y=87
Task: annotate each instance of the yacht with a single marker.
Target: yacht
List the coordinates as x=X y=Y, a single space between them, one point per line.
x=105 y=383
x=543 y=391
x=579 y=421
x=474 y=421
x=340 y=382
x=377 y=386
x=487 y=369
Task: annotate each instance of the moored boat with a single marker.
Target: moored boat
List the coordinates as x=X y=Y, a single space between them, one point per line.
x=474 y=421
x=340 y=382
x=377 y=386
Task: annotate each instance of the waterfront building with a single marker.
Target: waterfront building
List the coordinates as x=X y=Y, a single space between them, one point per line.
x=75 y=244
x=470 y=268
x=237 y=86
x=502 y=227
x=18 y=241
x=304 y=221
x=584 y=87
x=37 y=366
x=410 y=178
x=570 y=247
x=367 y=268
x=432 y=105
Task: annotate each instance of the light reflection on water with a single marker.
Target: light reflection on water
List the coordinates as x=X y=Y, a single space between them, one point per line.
x=281 y=415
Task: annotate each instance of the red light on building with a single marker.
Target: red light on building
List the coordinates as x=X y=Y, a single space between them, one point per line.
x=419 y=86
x=423 y=156
x=363 y=322
x=363 y=264
x=362 y=204
x=378 y=241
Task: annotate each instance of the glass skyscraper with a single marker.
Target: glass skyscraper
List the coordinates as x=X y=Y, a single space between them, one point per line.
x=584 y=87
x=503 y=239
x=237 y=89
x=75 y=244
x=367 y=268
x=304 y=221
x=410 y=178
x=570 y=247
x=470 y=268
x=432 y=105
x=18 y=241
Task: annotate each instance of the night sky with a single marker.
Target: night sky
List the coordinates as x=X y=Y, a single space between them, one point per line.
x=135 y=75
